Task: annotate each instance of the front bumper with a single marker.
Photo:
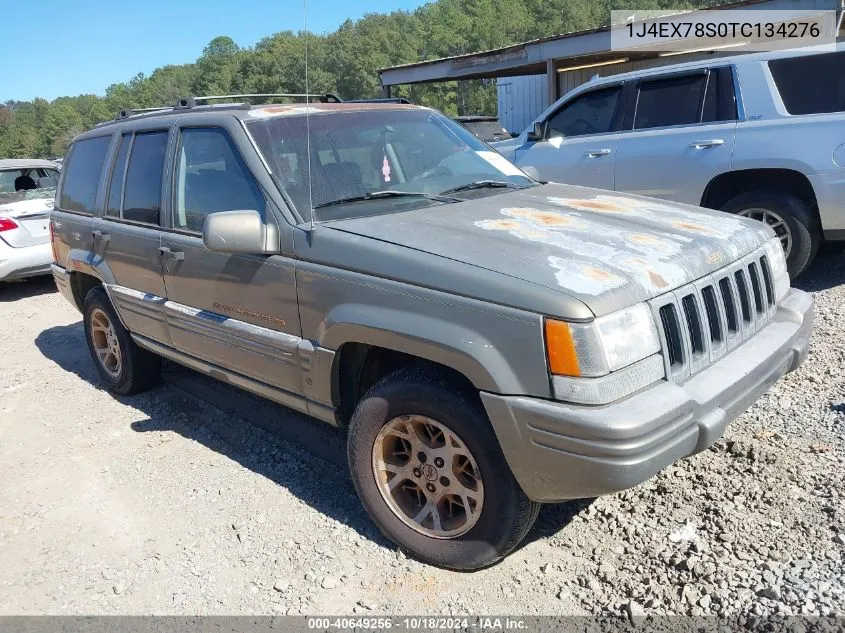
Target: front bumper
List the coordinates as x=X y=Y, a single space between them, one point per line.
x=561 y=451
x=26 y=261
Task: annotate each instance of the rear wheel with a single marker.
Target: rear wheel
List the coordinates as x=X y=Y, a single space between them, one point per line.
x=124 y=367
x=792 y=220
x=430 y=472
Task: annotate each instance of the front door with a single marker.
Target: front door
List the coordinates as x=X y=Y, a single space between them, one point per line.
x=579 y=145
x=683 y=136
x=235 y=311
x=128 y=236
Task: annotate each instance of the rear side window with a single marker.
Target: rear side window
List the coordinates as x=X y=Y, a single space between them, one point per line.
x=591 y=113
x=720 y=97
x=142 y=192
x=670 y=101
x=83 y=167
x=116 y=182
x=811 y=84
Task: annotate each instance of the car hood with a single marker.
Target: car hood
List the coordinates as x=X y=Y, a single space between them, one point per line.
x=606 y=249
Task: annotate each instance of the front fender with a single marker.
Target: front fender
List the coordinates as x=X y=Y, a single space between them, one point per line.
x=464 y=350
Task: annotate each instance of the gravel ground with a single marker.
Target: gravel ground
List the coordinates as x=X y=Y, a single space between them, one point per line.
x=196 y=499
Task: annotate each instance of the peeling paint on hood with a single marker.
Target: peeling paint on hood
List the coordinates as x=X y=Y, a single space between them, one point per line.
x=608 y=250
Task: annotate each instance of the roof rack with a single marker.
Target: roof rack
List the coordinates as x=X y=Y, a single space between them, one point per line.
x=322 y=98
x=187 y=103
x=380 y=100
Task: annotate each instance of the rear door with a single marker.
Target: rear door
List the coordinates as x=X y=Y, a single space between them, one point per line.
x=233 y=310
x=579 y=142
x=79 y=197
x=684 y=126
x=128 y=236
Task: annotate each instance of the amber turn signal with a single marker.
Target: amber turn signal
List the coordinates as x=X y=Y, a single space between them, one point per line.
x=560 y=349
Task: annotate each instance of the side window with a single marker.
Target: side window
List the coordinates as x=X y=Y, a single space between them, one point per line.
x=83 y=167
x=142 y=192
x=591 y=113
x=670 y=101
x=210 y=177
x=116 y=182
x=720 y=98
x=811 y=84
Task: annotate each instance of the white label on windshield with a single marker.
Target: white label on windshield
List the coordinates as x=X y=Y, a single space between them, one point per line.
x=501 y=163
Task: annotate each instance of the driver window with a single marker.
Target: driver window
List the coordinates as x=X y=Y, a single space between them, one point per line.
x=210 y=177
x=591 y=113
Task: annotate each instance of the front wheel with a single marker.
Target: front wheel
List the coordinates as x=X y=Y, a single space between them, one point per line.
x=429 y=470
x=792 y=220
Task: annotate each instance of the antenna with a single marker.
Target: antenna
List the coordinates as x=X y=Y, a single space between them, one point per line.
x=308 y=120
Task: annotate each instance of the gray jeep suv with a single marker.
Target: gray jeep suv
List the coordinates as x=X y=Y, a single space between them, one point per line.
x=489 y=342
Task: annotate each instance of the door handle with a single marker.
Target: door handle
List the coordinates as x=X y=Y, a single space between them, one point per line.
x=102 y=238
x=169 y=254
x=705 y=144
x=595 y=153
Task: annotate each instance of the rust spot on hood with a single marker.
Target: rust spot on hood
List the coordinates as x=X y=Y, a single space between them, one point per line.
x=602 y=206
x=657 y=279
x=694 y=227
x=598 y=274
x=642 y=238
x=500 y=225
x=546 y=218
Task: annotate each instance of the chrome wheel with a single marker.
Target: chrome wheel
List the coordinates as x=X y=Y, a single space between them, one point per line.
x=775 y=221
x=427 y=476
x=105 y=343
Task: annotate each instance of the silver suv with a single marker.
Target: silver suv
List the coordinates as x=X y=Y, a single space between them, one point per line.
x=489 y=342
x=760 y=135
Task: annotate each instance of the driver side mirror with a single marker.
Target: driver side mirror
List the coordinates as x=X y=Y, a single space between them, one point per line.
x=239 y=232
x=537 y=132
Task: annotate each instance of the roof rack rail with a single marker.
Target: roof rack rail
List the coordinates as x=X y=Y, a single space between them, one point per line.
x=128 y=112
x=323 y=98
x=380 y=100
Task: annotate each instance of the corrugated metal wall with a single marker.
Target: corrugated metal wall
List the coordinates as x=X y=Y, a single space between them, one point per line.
x=521 y=99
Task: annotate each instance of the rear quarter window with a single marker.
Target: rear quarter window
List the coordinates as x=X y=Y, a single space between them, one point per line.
x=811 y=84
x=83 y=168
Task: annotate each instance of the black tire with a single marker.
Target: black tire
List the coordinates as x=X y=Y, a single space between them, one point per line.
x=801 y=221
x=506 y=514
x=139 y=369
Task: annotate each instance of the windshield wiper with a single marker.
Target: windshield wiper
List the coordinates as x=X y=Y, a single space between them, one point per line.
x=388 y=193
x=484 y=184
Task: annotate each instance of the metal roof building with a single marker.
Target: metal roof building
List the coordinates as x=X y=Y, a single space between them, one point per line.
x=543 y=70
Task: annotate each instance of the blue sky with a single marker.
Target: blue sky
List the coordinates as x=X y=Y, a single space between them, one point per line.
x=55 y=48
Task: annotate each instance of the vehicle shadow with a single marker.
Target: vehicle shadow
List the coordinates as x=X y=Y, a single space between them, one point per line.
x=26 y=288
x=827 y=271
x=294 y=451
x=258 y=435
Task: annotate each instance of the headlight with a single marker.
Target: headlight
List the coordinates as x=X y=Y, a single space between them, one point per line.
x=777 y=263
x=605 y=359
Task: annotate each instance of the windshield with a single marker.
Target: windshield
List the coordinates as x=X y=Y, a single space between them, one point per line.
x=358 y=153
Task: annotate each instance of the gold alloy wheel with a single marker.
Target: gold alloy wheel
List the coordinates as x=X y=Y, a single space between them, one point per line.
x=427 y=476
x=106 y=345
x=776 y=222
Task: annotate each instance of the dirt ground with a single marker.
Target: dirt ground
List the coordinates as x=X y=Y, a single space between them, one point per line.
x=198 y=499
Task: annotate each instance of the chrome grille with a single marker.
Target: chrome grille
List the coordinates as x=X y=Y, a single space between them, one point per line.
x=702 y=321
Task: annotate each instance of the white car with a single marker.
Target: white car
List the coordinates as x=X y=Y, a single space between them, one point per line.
x=27 y=190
